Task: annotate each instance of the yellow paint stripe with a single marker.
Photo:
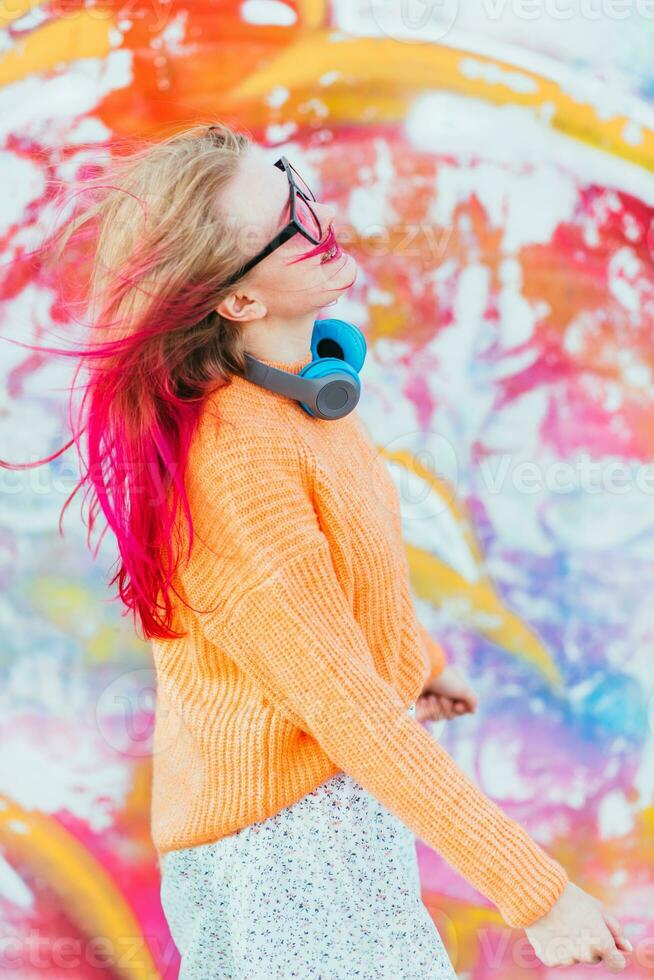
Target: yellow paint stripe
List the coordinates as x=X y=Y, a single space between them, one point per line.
x=386 y=67
x=82 y=35
x=87 y=893
x=312 y=13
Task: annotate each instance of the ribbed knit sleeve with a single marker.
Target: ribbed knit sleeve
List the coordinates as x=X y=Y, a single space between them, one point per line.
x=437 y=655
x=284 y=619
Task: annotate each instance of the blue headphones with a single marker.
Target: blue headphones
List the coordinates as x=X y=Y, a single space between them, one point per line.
x=328 y=387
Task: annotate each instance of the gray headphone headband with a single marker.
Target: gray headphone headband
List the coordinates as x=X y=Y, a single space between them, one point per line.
x=330 y=397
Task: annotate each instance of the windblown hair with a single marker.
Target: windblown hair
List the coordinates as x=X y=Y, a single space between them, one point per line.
x=160 y=249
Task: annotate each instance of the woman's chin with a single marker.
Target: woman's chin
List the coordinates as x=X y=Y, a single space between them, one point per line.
x=350 y=269
x=343 y=277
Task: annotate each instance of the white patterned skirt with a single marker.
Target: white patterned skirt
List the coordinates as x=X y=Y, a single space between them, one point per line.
x=326 y=888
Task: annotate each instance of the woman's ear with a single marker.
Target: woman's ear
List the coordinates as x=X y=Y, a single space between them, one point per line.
x=241 y=307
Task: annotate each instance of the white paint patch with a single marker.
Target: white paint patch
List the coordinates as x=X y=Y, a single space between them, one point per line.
x=515 y=138
x=45 y=109
x=500 y=764
x=379 y=297
x=469 y=308
x=18 y=318
x=512 y=364
x=526 y=203
x=632 y=133
x=277 y=96
x=29 y=21
x=517 y=316
x=615 y=816
x=635 y=372
x=12 y=887
x=625 y=278
x=494 y=74
x=449 y=364
x=603 y=519
x=316 y=106
x=280 y=132
x=633 y=230
x=23 y=181
x=644 y=775
x=580 y=333
x=370 y=211
x=69 y=770
x=172 y=36
x=270 y=13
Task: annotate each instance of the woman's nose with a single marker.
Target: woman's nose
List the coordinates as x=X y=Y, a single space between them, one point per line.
x=326 y=213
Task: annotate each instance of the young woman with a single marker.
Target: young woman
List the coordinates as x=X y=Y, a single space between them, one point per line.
x=261 y=550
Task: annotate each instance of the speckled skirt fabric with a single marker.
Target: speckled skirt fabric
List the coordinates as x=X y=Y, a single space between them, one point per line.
x=326 y=888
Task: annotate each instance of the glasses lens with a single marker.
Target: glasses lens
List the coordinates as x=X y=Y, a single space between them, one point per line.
x=307 y=219
x=304 y=187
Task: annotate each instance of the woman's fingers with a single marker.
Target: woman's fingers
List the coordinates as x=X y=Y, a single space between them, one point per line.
x=428 y=708
x=446 y=707
x=425 y=709
x=616 y=929
x=436 y=707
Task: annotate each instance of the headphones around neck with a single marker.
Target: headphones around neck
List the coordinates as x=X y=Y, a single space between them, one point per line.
x=328 y=387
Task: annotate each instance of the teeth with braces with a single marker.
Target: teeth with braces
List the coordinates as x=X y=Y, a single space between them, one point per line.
x=330 y=254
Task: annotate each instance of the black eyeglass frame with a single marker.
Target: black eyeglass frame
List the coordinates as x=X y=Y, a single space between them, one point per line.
x=292 y=228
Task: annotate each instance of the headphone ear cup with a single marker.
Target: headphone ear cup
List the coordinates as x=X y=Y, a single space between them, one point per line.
x=339 y=339
x=325 y=366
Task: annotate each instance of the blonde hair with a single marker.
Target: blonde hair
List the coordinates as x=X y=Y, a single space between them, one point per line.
x=161 y=252
x=164 y=247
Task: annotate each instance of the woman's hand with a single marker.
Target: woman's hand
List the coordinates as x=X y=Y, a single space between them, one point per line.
x=446 y=696
x=579 y=929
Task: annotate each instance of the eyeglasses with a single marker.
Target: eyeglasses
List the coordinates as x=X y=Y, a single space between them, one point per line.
x=304 y=220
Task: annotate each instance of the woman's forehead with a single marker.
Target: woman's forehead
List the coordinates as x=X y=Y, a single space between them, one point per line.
x=259 y=193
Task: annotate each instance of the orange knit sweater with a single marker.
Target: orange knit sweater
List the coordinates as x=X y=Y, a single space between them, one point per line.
x=304 y=652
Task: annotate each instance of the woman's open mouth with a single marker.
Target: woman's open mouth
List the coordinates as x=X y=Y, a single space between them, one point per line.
x=331 y=253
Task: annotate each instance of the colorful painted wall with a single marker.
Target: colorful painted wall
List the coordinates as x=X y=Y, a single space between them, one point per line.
x=492 y=171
